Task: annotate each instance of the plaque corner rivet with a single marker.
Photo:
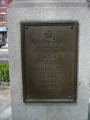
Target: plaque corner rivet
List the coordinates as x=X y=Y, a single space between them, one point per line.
x=71 y=27
x=70 y=97
x=28 y=96
x=26 y=27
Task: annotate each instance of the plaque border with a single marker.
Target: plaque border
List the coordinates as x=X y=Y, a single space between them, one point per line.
x=24 y=25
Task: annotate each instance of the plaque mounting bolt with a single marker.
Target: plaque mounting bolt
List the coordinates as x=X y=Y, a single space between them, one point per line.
x=28 y=97
x=26 y=27
x=70 y=97
x=71 y=27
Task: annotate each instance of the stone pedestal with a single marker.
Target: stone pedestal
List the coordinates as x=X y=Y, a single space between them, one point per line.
x=49 y=10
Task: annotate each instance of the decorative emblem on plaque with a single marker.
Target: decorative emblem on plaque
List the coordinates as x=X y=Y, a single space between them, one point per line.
x=49 y=34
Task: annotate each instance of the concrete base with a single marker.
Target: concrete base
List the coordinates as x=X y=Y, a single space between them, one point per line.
x=5 y=103
x=59 y=11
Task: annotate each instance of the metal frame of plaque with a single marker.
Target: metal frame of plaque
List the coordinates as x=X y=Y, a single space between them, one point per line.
x=49 y=61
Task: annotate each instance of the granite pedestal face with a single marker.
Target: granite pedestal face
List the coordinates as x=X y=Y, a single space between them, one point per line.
x=68 y=10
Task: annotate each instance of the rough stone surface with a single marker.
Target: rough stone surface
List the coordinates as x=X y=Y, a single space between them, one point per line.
x=49 y=111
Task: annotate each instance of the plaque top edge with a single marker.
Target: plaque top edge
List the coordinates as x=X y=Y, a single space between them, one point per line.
x=47 y=22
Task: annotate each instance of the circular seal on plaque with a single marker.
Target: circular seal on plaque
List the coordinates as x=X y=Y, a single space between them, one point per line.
x=49 y=34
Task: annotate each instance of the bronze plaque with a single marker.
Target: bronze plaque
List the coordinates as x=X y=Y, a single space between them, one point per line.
x=49 y=61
